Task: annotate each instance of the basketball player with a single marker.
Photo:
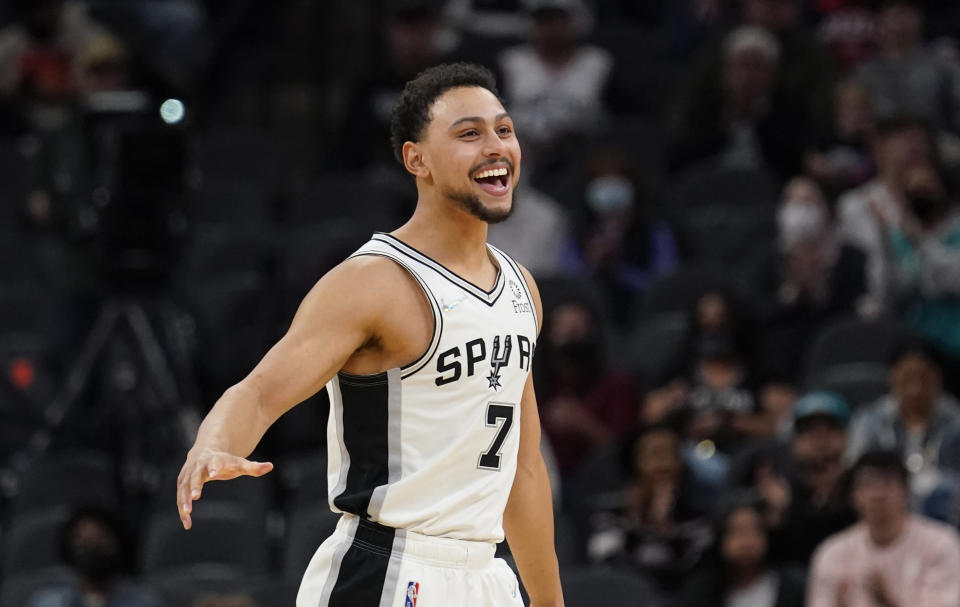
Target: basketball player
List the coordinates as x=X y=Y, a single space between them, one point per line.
x=424 y=339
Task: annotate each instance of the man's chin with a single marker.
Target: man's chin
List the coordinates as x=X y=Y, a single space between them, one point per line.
x=493 y=213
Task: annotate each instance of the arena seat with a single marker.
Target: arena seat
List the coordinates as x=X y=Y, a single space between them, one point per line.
x=69 y=478
x=32 y=543
x=850 y=356
x=222 y=534
x=588 y=587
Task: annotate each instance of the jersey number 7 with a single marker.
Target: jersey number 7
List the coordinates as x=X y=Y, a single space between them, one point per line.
x=499 y=415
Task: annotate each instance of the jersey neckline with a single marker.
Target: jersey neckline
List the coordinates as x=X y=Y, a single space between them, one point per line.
x=487 y=296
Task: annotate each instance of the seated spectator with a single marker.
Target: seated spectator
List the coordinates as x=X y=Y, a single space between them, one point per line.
x=92 y=543
x=554 y=85
x=848 y=29
x=899 y=144
x=720 y=388
x=739 y=571
x=408 y=44
x=891 y=557
x=841 y=158
x=584 y=403
x=917 y=268
x=535 y=233
x=618 y=238
x=816 y=506
x=912 y=419
x=657 y=522
x=739 y=120
x=904 y=77
x=813 y=277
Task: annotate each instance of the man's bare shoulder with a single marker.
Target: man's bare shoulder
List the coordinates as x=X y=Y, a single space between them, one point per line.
x=364 y=285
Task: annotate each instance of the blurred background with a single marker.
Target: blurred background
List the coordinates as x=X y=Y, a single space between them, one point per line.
x=741 y=214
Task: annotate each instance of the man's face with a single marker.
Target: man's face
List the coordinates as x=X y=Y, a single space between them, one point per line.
x=900 y=26
x=818 y=443
x=915 y=381
x=471 y=153
x=749 y=76
x=899 y=151
x=879 y=496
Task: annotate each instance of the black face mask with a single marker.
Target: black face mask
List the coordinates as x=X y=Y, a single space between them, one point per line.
x=926 y=207
x=581 y=353
x=714 y=345
x=97 y=563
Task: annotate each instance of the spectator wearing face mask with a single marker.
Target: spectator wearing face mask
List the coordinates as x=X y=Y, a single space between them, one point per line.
x=916 y=270
x=92 y=543
x=890 y=558
x=899 y=144
x=584 y=403
x=618 y=239
x=813 y=277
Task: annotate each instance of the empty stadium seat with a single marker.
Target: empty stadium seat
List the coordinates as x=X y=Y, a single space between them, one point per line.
x=590 y=587
x=32 y=542
x=70 y=478
x=222 y=534
x=851 y=356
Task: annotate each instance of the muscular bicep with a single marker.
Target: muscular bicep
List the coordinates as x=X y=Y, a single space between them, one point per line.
x=335 y=319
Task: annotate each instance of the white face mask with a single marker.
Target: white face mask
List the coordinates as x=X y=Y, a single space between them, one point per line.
x=798 y=221
x=609 y=193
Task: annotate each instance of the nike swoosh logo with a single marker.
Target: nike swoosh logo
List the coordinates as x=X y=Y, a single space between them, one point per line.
x=448 y=307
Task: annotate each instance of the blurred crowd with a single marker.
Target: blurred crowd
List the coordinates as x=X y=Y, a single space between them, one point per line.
x=742 y=215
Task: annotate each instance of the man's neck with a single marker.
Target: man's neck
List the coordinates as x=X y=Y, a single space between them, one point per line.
x=448 y=234
x=886 y=533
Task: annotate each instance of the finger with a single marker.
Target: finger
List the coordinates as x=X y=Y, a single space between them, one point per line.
x=184 y=501
x=240 y=467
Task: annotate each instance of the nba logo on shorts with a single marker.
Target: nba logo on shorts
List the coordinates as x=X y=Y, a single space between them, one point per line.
x=413 y=589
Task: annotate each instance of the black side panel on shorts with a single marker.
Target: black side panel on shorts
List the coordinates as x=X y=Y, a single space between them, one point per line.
x=364 y=567
x=365 y=436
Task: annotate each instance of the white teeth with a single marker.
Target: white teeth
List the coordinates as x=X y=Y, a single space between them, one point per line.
x=492 y=173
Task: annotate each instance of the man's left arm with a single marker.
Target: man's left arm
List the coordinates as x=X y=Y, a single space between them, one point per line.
x=528 y=518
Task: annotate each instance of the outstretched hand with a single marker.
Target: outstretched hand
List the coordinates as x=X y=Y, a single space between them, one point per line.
x=210 y=465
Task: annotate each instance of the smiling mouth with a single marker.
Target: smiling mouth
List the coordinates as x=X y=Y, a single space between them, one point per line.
x=494 y=181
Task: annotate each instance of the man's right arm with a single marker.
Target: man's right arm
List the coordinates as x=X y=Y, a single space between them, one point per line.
x=335 y=319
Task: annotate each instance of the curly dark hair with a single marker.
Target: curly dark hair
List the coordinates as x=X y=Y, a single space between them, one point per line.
x=412 y=112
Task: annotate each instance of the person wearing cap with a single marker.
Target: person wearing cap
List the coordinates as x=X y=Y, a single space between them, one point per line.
x=816 y=507
x=912 y=419
x=890 y=558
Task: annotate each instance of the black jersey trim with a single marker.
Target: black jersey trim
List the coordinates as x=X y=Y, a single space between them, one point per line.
x=488 y=297
x=523 y=281
x=420 y=362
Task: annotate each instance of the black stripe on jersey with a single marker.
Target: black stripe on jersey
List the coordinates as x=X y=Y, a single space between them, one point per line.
x=365 y=436
x=363 y=570
x=421 y=361
x=523 y=283
x=488 y=297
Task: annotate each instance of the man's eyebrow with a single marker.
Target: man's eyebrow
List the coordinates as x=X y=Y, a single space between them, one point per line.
x=478 y=119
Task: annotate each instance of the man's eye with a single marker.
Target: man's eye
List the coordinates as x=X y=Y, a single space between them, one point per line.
x=505 y=130
x=470 y=133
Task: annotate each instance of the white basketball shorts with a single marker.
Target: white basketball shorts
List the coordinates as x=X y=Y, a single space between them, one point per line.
x=365 y=564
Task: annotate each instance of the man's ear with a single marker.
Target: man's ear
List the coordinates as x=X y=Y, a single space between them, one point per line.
x=413 y=159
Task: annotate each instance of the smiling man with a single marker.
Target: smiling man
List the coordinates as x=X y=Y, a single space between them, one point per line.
x=424 y=339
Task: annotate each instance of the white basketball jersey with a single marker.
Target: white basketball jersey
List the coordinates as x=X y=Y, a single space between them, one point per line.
x=432 y=447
